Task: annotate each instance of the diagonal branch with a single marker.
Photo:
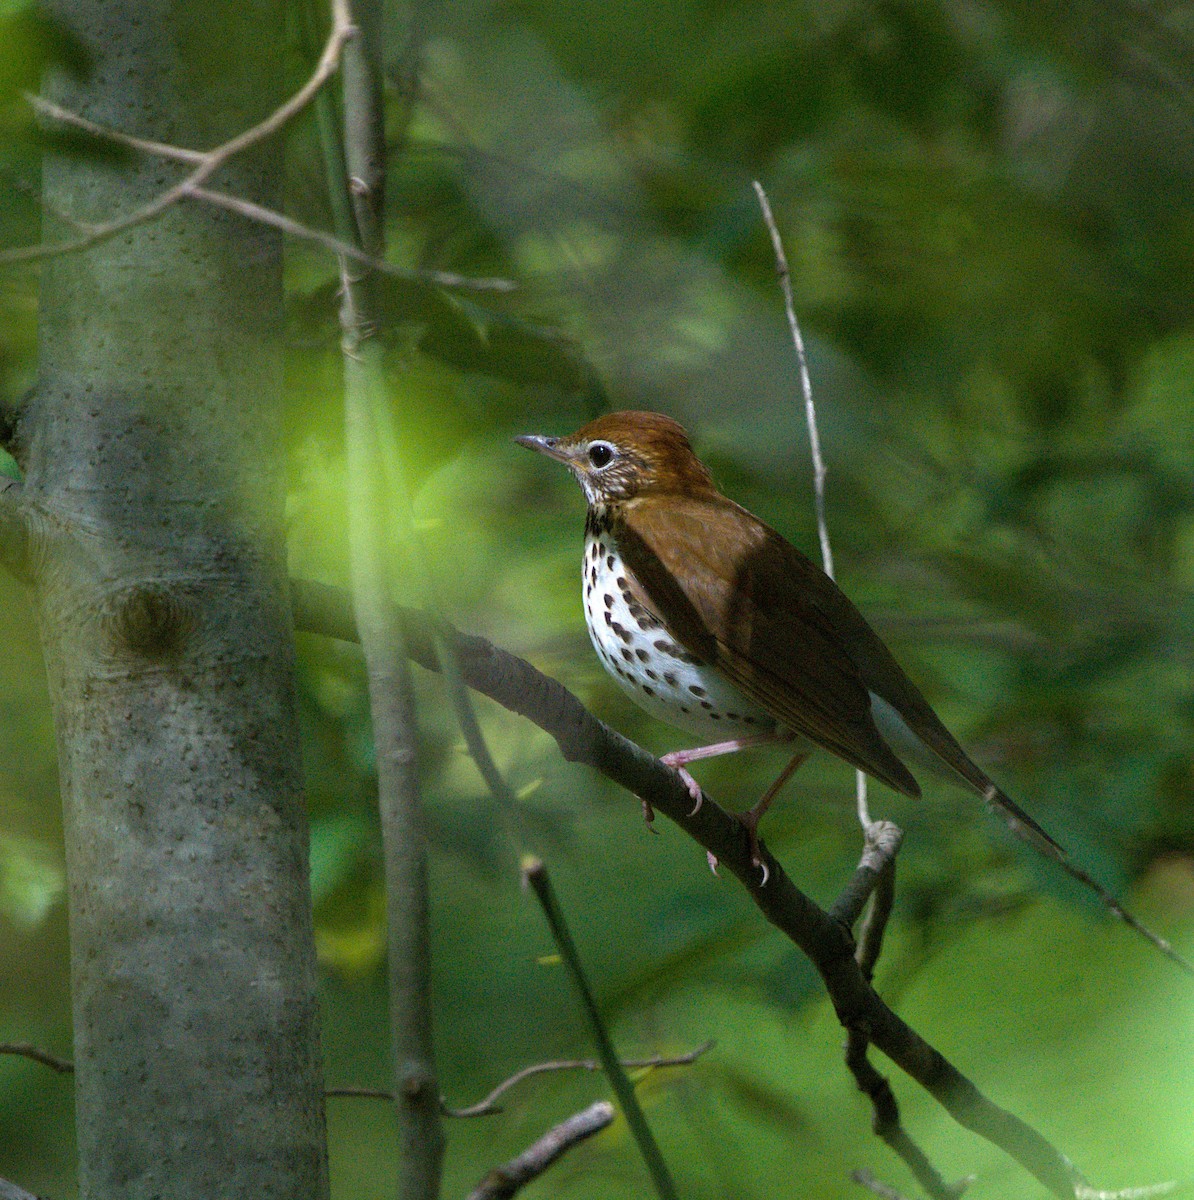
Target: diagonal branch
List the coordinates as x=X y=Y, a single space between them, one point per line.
x=507 y=1180
x=519 y=687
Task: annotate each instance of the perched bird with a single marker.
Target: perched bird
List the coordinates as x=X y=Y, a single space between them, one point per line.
x=712 y=622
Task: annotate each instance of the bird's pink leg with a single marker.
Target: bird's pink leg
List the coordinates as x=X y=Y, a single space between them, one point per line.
x=753 y=816
x=677 y=759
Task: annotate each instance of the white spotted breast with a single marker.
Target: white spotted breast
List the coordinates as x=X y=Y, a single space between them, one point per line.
x=659 y=675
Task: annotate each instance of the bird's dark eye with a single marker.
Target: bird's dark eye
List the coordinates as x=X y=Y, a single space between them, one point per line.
x=600 y=454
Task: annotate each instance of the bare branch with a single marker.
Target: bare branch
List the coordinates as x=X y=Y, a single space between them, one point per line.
x=519 y=687
x=885 y=1122
x=343 y=31
x=503 y=1182
x=1145 y=1192
x=806 y=387
x=25 y=1050
x=258 y=212
x=882 y=842
x=870 y=940
x=489 y=1105
x=814 y=437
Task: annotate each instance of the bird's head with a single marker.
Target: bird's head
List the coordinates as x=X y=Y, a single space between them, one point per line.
x=624 y=455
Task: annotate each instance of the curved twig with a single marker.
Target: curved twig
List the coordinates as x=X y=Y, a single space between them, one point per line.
x=63 y=1066
x=489 y=1104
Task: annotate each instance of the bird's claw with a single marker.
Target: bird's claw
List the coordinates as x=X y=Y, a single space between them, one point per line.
x=750 y=822
x=648 y=815
x=694 y=788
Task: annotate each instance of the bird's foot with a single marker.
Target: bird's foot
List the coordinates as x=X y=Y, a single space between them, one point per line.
x=648 y=815
x=750 y=822
x=712 y=859
x=676 y=761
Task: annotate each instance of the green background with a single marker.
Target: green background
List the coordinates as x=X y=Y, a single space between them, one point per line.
x=988 y=212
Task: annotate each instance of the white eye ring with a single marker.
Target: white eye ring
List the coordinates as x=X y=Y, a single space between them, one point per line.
x=601 y=454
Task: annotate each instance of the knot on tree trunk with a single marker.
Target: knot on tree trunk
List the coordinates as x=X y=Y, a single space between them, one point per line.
x=152 y=620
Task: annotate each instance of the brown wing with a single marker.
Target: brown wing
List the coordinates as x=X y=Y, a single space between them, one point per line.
x=737 y=595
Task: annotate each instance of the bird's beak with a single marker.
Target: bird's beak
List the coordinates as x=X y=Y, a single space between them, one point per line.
x=544 y=445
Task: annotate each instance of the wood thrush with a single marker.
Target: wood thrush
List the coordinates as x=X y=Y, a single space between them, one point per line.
x=712 y=622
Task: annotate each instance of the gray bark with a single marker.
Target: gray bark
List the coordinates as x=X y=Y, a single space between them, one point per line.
x=155 y=490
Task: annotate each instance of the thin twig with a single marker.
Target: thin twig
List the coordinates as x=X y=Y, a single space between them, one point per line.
x=342 y=32
x=488 y=1105
x=806 y=387
x=1147 y=1191
x=63 y=1066
x=534 y=873
x=814 y=437
x=259 y=212
x=506 y=1181
x=267 y=216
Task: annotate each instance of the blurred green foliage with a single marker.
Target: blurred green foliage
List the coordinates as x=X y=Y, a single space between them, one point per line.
x=989 y=210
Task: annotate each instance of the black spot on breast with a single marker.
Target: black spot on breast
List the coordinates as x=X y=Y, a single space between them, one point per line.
x=608 y=619
x=685 y=709
x=666 y=647
x=622 y=632
x=621 y=582
x=609 y=562
x=645 y=619
x=643 y=656
x=714 y=716
x=708 y=707
x=627 y=655
x=650 y=691
x=670 y=679
x=685 y=657
x=600 y=550
x=651 y=674
x=732 y=717
x=609 y=600
x=697 y=691
x=749 y=720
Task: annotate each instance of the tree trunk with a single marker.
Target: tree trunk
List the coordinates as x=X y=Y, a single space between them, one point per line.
x=153 y=464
